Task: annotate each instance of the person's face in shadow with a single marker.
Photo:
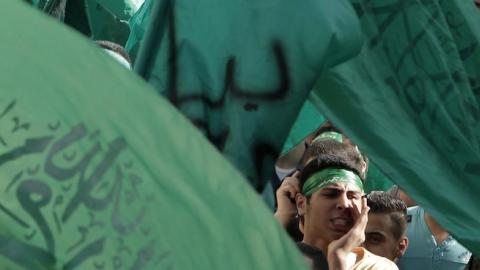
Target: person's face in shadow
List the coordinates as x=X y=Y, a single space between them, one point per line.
x=380 y=238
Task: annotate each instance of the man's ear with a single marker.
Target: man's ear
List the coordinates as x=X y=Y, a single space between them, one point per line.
x=402 y=246
x=301 y=203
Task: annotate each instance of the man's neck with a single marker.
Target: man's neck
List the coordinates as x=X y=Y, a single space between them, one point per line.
x=320 y=244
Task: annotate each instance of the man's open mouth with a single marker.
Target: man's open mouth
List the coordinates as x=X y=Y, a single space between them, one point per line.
x=341 y=223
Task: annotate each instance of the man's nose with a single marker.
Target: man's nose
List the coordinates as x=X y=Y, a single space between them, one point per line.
x=343 y=201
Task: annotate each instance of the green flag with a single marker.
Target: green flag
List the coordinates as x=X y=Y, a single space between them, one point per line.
x=108 y=19
x=138 y=24
x=97 y=19
x=308 y=120
x=99 y=172
x=241 y=70
x=411 y=102
x=55 y=8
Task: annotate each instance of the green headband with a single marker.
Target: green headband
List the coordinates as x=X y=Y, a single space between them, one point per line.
x=329 y=176
x=329 y=135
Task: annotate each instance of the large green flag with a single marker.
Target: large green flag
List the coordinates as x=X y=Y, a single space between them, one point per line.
x=241 y=70
x=411 y=101
x=99 y=172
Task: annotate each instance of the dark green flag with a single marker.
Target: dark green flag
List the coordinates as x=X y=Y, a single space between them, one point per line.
x=99 y=172
x=55 y=8
x=108 y=19
x=241 y=70
x=308 y=120
x=411 y=101
x=97 y=19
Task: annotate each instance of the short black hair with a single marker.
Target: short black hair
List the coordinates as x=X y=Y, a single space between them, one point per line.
x=329 y=127
x=382 y=202
x=331 y=154
x=331 y=147
x=114 y=47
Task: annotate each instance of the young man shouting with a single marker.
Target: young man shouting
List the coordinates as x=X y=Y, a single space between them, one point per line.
x=335 y=214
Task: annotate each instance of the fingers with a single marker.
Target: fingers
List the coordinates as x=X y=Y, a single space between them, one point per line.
x=296 y=174
x=290 y=190
x=360 y=216
x=290 y=185
x=363 y=218
x=358 y=230
x=292 y=180
x=357 y=209
x=365 y=208
x=286 y=194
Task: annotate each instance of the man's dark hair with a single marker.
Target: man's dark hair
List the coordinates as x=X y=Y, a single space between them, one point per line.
x=114 y=47
x=331 y=154
x=328 y=126
x=382 y=202
x=332 y=147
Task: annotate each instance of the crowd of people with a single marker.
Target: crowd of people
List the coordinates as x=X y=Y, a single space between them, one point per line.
x=323 y=206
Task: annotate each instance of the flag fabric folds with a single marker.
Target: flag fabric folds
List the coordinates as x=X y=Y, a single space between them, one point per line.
x=411 y=102
x=99 y=20
x=241 y=70
x=99 y=172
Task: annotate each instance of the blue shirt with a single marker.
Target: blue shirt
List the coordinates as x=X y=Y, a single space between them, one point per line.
x=424 y=253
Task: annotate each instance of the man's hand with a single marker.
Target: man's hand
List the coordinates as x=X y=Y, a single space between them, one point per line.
x=340 y=248
x=286 y=208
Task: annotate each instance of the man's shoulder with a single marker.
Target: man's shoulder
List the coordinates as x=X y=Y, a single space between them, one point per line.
x=414 y=210
x=414 y=214
x=371 y=261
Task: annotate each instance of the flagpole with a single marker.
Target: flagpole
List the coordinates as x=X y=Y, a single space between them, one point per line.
x=153 y=37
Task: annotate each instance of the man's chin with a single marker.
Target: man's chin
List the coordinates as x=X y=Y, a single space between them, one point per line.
x=338 y=233
x=340 y=228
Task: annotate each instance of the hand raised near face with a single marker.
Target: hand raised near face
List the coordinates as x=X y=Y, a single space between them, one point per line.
x=286 y=208
x=340 y=248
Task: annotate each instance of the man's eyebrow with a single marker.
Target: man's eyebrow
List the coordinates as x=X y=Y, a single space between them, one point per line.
x=339 y=189
x=374 y=233
x=332 y=189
